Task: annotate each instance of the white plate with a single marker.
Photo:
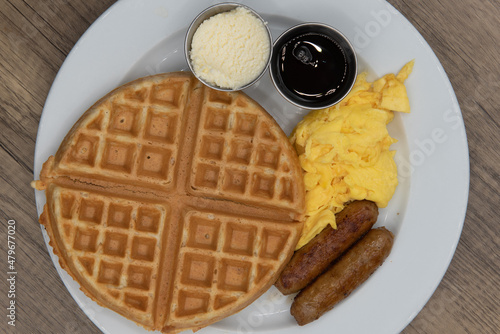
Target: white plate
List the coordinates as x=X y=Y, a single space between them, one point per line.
x=136 y=38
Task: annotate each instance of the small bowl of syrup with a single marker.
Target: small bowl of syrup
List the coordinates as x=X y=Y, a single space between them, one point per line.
x=313 y=65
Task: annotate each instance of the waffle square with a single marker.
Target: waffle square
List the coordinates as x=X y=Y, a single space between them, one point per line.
x=173 y=204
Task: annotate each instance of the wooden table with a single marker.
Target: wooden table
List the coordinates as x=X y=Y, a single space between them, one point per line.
x=35 y=38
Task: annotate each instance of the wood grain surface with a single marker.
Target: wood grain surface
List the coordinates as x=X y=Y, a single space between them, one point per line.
x=37 y=35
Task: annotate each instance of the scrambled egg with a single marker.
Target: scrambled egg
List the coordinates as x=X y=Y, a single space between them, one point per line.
x=344 y=150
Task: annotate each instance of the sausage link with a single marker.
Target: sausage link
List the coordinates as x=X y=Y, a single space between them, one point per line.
x=308 y=262
x=349 y=272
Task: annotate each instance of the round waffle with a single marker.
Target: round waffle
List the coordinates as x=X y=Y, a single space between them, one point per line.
x=173 y=204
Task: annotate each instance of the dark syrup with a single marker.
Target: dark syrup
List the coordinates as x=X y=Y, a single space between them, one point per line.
x=312 y=66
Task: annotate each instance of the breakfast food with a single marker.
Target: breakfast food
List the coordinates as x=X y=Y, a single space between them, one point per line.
x=173 y=204
x=230 y=49
x=350 y=271
x=344 y=150
x=349 y=173
x=310 y=261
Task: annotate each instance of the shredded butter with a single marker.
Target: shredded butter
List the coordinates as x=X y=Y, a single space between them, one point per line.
x=230 y=49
